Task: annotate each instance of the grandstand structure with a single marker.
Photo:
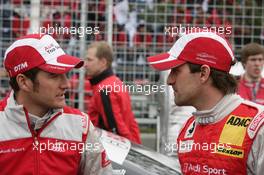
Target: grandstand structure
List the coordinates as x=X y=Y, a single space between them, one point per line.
x=135 y=29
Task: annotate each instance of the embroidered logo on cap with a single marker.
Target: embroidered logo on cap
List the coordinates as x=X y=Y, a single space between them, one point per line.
x=51 y=48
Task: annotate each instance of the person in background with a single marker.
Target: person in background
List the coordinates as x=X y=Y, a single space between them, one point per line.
x=38 y=132
x=226 y=134
x=251 y=83
x=110 y=105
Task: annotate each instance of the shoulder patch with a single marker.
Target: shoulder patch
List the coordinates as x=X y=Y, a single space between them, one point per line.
x=86 y=123
x=84 y=117
x=256 y=123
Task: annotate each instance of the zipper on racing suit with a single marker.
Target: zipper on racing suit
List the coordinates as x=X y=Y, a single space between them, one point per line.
x=35 y=136
x=37 y=152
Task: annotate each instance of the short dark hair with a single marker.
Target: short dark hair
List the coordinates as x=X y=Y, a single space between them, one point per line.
x=223 y=81
x=31 y=74
x=251 y=49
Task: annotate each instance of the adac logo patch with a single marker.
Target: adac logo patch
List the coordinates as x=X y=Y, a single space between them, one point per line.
x=238 y=121
x=234 y=130
x=233 y=152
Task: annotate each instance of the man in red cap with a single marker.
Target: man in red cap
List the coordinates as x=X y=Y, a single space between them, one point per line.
x=39 y=133
x=226 y=134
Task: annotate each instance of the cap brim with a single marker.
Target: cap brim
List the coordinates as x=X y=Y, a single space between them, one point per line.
x=62 y=64
x=164 y=61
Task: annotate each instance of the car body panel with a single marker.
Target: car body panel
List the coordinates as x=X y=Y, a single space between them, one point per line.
x=136 y=159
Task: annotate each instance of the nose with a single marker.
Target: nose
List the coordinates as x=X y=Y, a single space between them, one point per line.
x=65 y=83
x=170 y=79
x=85 y=64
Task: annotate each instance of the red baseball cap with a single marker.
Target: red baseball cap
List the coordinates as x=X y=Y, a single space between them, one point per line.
x=36 y=50
x=198 y=48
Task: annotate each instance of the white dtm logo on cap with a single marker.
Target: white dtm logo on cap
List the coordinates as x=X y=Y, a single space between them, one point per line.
x=20 y=66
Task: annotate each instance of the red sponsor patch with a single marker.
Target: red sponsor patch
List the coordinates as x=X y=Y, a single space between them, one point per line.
x=256 y=121
x=105 y=160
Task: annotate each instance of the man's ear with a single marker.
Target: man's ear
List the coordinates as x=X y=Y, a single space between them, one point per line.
x=104 y=62
x=24 y=83
x=205 y=73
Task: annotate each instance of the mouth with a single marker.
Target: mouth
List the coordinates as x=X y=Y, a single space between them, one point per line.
x=257 y=71
x=61 y=96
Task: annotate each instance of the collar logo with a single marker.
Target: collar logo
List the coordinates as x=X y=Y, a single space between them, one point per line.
x=190 y=130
